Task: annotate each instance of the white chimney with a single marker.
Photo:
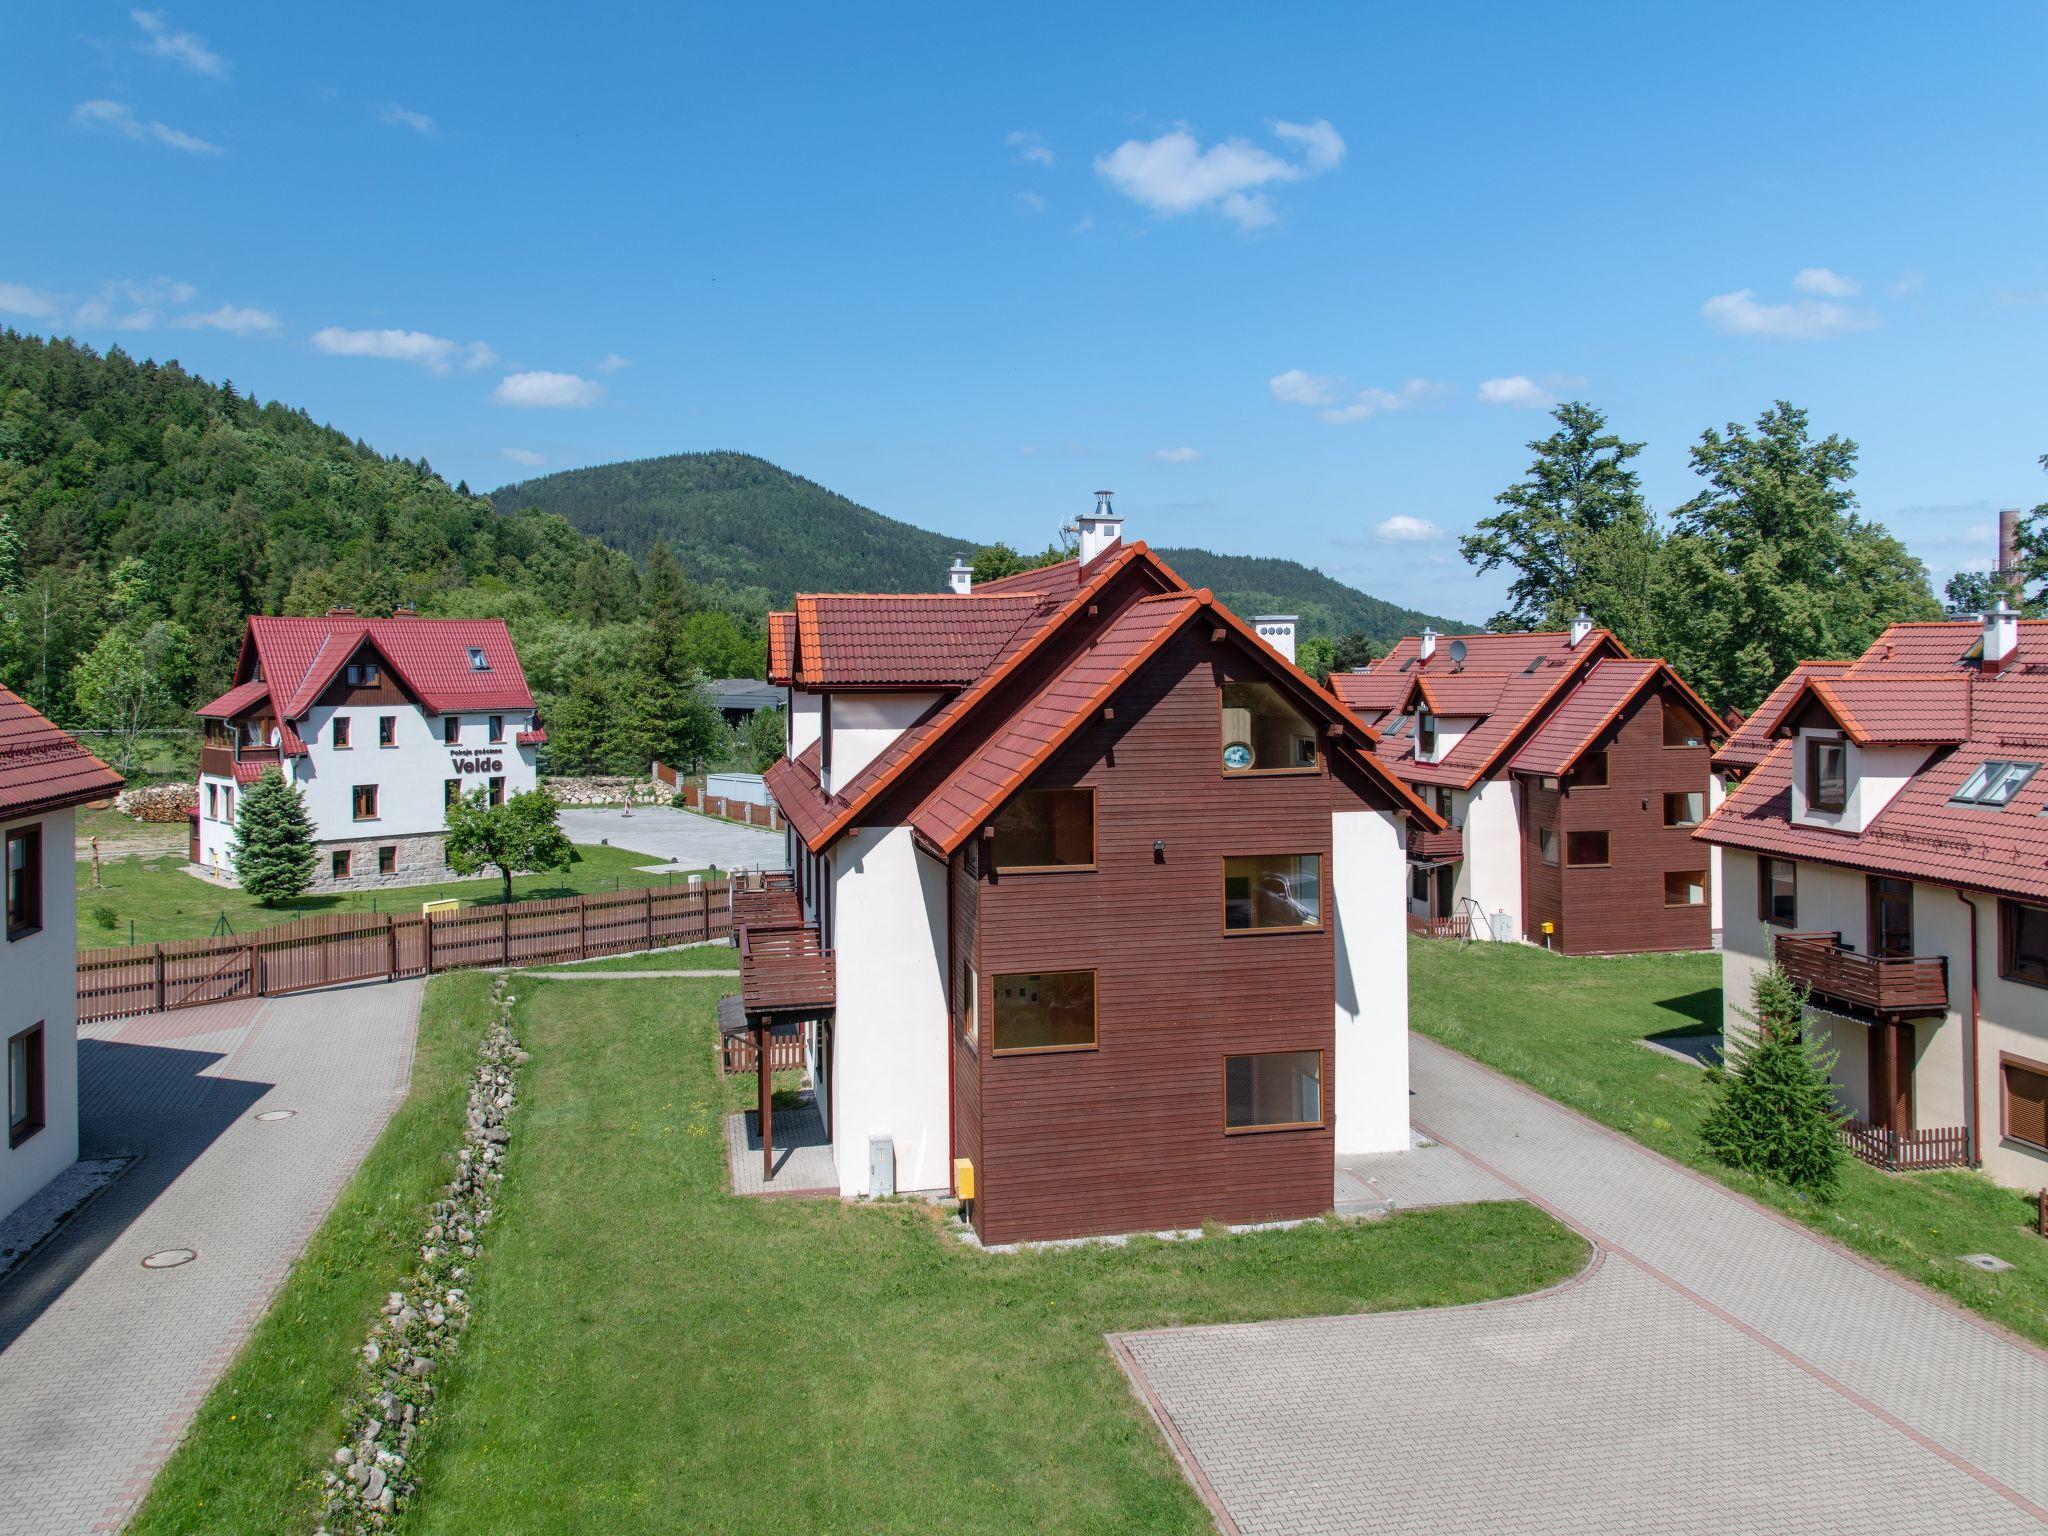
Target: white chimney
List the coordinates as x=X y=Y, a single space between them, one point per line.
x=1427 y=648
x=1582 y=626
x=2001 y=635
x=960 y=577
x=1277 y=630
x=1100 y=529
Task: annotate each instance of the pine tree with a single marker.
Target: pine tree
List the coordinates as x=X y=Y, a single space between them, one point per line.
x=1777 y=1114
x=273 y=843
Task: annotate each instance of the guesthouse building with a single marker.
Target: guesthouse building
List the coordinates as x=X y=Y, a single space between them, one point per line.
x=381 y=724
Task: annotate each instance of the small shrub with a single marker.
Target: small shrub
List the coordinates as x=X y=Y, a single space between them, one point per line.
x=105 y=915
x=1776 y=1114
x=679 y=801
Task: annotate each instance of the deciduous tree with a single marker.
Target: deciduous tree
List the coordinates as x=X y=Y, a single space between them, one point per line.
x=521 y=834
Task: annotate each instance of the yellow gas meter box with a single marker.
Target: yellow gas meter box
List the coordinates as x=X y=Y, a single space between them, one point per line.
x=963 y=1177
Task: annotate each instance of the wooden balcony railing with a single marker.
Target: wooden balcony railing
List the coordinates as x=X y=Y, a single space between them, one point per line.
x=219 y=760
x=1440 y=927
x=1893 y=987
x=1436 y=847
x=784 y=971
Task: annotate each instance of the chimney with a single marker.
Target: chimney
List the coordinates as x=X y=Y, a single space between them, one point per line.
x=960 y=577
x=2009 y=550
x=1582 y=626
x=339 y=612
x=405 y=611
x=1427 y=648
x=2001 y=636
x=1101 y=529
x=1277 y=630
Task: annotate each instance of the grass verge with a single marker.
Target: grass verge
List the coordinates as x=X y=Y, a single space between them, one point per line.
x=720 y=956
x=251 y=1461
x=653 y=1354
x=1572 y=1029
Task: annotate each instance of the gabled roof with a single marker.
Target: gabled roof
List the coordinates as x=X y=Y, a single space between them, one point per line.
x=1751 y=743
x=1585 y=714
x=1060 y=579
x=235 y=700
x=1921 y=833
x=1887 y=709
x=782 y=648
x=1452 y=695
x=883 y=640
x=299 y=657
x=42 y=768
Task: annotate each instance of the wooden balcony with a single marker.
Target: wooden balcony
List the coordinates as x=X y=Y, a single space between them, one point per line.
x=217 y=762
x=771 y=908
x=1891 y=987
x=1445 y=847
x=784 y=972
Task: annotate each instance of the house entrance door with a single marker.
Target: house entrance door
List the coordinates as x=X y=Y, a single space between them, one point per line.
x=1891 y=916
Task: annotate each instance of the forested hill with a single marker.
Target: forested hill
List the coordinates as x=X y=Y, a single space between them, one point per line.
x=736 y=517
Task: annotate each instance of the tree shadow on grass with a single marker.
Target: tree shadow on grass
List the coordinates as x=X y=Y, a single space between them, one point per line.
x=1702 y=1010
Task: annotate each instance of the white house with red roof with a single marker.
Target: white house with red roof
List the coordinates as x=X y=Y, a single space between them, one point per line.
x=1571 y=775
x=381 y=724
x=1889 y=848
x=44 y=777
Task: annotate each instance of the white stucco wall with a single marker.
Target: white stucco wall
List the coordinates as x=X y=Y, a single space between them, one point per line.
x=1717 y=791
x=804 y=709
x=863 y=725
x=215 y=832
x=1876 y=774
x=40 y=975
x=409 y=775
x=1450 y=730
x=1369 y=1075
x=890 y=1032
x=1493 y=852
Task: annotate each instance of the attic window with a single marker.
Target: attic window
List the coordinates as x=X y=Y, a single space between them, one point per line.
x=1994 y=784
x=478 y=661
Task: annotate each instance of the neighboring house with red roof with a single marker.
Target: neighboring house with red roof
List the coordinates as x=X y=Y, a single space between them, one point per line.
x=1890 y=850
x=1099 y=898
x=44 y=777
x=380 y=723
x=1571 y=775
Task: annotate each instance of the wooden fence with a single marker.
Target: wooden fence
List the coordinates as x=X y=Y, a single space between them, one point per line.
x=1941 y=1146
x=743 y=811
x=362 y=946
x=785 y=1052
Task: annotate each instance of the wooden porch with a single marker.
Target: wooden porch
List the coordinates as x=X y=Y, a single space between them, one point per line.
x=1886 y=986
x=788 y=988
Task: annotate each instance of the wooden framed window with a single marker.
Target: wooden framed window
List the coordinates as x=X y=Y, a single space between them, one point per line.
x=1041 y=829
x=1827 y=773
x=2023 y=942
x=337 y=733
x=1684 y=807
x=1273 y=1091
x=25 y=881
x=497 y=795
x=1586 y=850
x=363 y=674
x=1546 y=844
x=387 y=730
x=1777 y=892
x=1425 y=735
x=337 y=864
x=387 y=859
x=2023 y=1100
x=1418 y=883
x=24 y=1084
x=363 y=799
x=1683 y=728
x=1038 y=1011
x=227 y=802
x=451 y=792
x=497 y=731
x=451 y=729
x=1685 y=887
x=1591 y=772
x=1263 y=892
x=967 y=1005
x=213 y=802
x=1264 y=733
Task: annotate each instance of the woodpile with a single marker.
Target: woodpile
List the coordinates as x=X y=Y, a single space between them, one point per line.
x=158 y=802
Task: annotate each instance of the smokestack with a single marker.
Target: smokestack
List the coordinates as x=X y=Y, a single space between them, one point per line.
x=960 y=578
x=1427 y=647
x=1277 y=630
x=2001 y=636
x=2009 y=550
x=1101 y=529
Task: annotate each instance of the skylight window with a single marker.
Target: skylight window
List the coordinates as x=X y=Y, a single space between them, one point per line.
x=478 y=661
x=1994 y=784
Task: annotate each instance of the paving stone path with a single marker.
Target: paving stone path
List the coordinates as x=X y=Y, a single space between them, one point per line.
x=103 y=1362
x=1716 y=1370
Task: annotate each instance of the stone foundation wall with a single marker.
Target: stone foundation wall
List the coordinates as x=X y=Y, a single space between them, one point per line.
x=421 y=861
x=607 y=789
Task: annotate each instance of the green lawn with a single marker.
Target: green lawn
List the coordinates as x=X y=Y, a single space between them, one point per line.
x=162 y=901
x=720 y=956
x=1571 y=1028
x=253 y=1458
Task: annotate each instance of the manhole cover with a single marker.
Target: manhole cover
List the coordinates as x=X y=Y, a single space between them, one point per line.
x=277 y=1114
x=1990 y=1261
x=168 y=1258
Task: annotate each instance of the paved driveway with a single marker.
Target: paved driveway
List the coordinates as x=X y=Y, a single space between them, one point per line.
x=682 y=837
x=1717 y=1369
x=103 y=1362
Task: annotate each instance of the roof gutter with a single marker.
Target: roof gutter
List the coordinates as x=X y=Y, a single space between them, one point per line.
x=1972 y=1119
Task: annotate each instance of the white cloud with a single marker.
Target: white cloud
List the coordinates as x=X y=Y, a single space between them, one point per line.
x=1908 y=284
x=1298 y=387
x=1085 y=224
x=20 y=299
x=152 y=290
x=1375 y=401
x=611 y=362
x=1826 y=282
x=1520 y=390
x=238 y=321
x=1740 y=314
x=1403 y=529
x=436 y=354
x=182 y=47
x=545 y=391
x=1030 y=146
x=119 y=117
x=395 y=116
x=1175 y=455
x=100 y=315
x=1173 y=174
x=524 y=456
x=1030 y=202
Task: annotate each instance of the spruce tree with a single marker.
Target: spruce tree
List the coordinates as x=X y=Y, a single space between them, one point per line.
x=1777 y=1114
x=273 y=843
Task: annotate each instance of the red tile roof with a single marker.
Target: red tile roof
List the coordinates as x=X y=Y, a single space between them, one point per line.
x=530 y=738
x=1921 y=834
x=1061 y=580
x=1752 y=743
x=1891 y=709
x=299 y=657
x=248 y=773
x=1582 y=715
x=782 y=648
x=41 y=768
x=893 y=640
x=234 y=701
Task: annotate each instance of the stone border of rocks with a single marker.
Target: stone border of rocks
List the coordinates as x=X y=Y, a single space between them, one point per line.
x=372 y=1478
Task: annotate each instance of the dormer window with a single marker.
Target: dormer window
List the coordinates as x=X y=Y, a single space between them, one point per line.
x=1827 y=774
x=478 y=661
x=1994 y=784
x=1425 y=734
x=362 y=675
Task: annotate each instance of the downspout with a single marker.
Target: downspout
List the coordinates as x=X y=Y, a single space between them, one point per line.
x=1970 y=1090
x=952 y=1045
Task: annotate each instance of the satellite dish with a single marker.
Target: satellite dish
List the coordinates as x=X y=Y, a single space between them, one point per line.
x=1457 y=653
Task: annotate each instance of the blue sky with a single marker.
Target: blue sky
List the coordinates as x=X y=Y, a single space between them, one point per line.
x=1292 y=282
